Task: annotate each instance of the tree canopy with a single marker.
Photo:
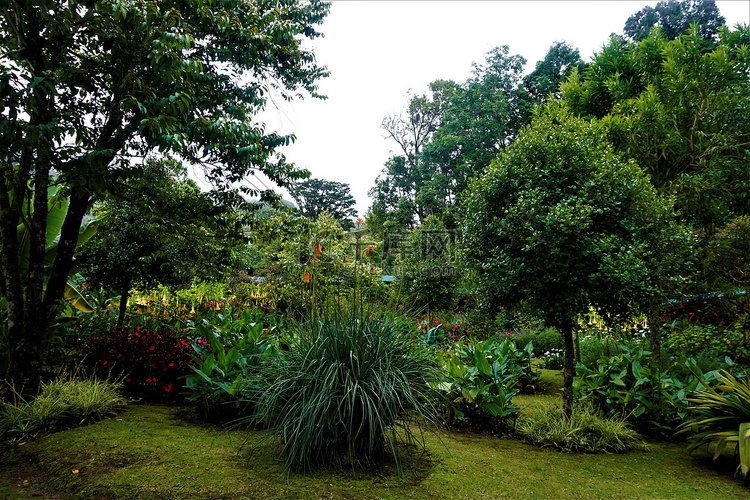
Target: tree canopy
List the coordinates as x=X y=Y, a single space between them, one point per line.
x=447 y=137
x=674 y=17
x=561 y=221
x=315 y=196
x=87 y=86
x=681 y=111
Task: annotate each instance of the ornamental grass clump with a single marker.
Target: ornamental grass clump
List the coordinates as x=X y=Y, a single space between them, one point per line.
x=721 y=419
x=67 y=401
x=350 y=390
x=583 y=432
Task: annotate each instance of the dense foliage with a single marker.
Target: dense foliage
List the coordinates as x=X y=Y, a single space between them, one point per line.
x=561 y=221
x=482 y=378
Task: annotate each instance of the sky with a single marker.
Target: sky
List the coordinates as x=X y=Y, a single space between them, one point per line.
x=376 y=51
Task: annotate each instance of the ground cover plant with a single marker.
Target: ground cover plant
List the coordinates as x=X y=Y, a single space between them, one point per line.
x=65 y=402
x=585 y=431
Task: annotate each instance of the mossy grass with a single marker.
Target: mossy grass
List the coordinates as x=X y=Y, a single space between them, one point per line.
x=155 y=452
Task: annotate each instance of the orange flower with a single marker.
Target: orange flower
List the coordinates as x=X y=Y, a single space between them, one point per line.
x=318 y=249
x=306 y=277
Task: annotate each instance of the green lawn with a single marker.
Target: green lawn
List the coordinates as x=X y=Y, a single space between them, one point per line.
x=161 y=452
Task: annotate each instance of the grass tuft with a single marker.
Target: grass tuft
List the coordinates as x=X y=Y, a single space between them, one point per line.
x=348 y=391
x=67 y=401
x=585 y=431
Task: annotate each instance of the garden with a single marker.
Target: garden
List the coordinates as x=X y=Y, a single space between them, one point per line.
x=323 y=381
x=547 y=298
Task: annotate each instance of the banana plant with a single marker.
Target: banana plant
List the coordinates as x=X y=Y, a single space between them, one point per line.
x=57 y=208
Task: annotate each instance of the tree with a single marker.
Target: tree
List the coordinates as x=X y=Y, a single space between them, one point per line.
x=315 y=196
x=559 y=220
x=161 y=230
x=88 y=85
x=450 y=137
x=550 y=72
x=403 y=176
x=674 y=17
x=683 y=113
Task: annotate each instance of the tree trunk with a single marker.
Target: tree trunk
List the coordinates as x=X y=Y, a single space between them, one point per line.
x=654 y=333
x=568 y=367
x=123 y=305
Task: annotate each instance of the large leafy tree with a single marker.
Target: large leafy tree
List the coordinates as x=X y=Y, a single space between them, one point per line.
x=88 y=85
x=160 y=229
x=674 y=17
x=681 y=111
x=562 y=222
x=449 y=137
x=315 y=196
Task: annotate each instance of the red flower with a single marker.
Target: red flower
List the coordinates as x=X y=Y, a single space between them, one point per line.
x=168 y=388
x=318 y=249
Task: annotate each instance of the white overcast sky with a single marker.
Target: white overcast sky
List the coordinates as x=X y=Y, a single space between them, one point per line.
x=377 y=51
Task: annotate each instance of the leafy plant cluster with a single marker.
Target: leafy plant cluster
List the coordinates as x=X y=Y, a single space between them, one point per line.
x=627 y=386
x=482 y=378
x=226 y=355
x=720 y=416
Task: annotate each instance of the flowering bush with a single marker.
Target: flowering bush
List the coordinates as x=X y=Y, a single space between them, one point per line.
x=553 y=359
x=151 y=362
x=712 y=342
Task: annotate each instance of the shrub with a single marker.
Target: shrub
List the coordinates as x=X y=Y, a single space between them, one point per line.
x=709 y=341
x=482 y=378
x=345 y=391
x=62 y=403
x=626 y=386
x=223 y=362
x=584 y=432
x=542 y=339
x=150 y=362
